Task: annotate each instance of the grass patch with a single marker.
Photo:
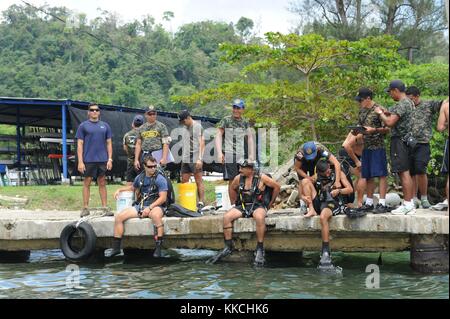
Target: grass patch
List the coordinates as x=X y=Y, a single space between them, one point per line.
x=66 y=198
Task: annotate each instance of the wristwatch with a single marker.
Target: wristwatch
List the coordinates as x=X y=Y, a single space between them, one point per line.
x=110 y=160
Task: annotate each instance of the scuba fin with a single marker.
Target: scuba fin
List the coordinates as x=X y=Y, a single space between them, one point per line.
x=225 y=252
x=259 y=258
x=115 y=250
x=176 y=210
x=326 y=265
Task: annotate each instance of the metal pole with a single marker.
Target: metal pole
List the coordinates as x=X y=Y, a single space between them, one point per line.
x=64 y=141
x=18 y=141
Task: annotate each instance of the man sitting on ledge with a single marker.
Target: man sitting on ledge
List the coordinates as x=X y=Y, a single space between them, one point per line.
x=151 y=191
x=250 y=191
x=322 y=199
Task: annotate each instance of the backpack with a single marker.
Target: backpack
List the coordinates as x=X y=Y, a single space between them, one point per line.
x=170 y=193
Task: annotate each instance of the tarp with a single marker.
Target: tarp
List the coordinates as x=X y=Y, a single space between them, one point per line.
x=120 y=123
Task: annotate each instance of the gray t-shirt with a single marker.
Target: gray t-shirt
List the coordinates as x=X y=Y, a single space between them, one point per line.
x=191 y=142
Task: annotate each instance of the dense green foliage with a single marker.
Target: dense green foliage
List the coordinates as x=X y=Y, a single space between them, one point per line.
x=132 y=64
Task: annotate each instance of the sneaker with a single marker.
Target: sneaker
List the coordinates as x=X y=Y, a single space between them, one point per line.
x=440 y=206
x=84 y=212
x=107 y=211
x=380 y=209
x=366 y=208
x=416 y=202
x=200 y=206
x=403 y=210
x=425 y=204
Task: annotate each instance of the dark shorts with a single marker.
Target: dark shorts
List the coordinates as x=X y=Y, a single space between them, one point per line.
x=374 y=163
x=139 y=211
x=309 y=169
x=400 y=155
x=346 y=160
x=444 y=169
x=230 y=171
x=319 y=206
x=131 y=171
x=95 y=170
x=189 y=168
x=249 y=210
x=420 y=156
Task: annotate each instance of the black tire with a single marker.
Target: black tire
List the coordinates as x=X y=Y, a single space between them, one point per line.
x=87 y=237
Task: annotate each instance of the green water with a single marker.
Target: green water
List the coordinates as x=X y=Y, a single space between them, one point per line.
x=185 y=275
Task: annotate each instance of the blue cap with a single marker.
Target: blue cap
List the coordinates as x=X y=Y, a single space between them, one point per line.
x=239 y=103
x=138 y=120
x=310 y=150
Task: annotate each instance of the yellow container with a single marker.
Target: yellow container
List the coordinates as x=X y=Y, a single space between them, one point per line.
x=187 y=195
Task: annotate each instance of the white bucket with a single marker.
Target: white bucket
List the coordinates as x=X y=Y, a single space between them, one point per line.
x=222 y=197
x=124 y=200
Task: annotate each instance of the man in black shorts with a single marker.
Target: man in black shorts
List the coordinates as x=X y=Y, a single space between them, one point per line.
x=94 y=151
x=129 y=146
x=323 y=199
x=248 y=194
x=398 y=118
x=232 y=133
x=422 y=130
x=193 y=148
x=152 y=190
x=350 y=158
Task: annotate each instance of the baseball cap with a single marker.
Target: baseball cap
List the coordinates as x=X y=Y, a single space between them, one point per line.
x=396 y=84
x=364 y=93
x=239 y=103
x=138 y=120
x=310 y=150
x=182 y=115
x=246 y=163
x=151 y=108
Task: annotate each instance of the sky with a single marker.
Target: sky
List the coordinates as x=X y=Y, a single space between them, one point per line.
x=268 y=15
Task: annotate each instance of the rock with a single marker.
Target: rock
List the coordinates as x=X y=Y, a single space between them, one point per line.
x=293 y=198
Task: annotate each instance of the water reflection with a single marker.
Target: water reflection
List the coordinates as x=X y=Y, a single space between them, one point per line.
x=185 y=275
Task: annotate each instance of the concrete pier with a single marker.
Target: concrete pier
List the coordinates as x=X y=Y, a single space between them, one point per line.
x=287 y=231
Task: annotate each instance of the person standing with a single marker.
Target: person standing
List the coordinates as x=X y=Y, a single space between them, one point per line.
x=350 y=159
x=129 y=146
x=442 y=126
x=373 y=160
x=230 y=141
x=193 y=148
x=422 y=121
x=398 y=118
x=153 y=138
x=94 y=151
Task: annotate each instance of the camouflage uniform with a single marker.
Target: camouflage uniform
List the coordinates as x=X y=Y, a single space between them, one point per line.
x=422 y=122
x=400 y=152
x=368 y=117
x=152 y=135
x=233 y=144
x=238 y=130
x=129 y=140
x=373 y=159
x=404 y=108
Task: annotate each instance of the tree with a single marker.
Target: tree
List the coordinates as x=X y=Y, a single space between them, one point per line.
x=329 y=72
x=244 y=27
x=417 y=24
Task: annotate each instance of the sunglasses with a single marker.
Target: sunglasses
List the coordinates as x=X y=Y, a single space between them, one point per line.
x=151 y=166
x=94 y=110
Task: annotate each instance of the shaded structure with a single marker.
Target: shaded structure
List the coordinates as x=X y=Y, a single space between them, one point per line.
x=62 y=117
